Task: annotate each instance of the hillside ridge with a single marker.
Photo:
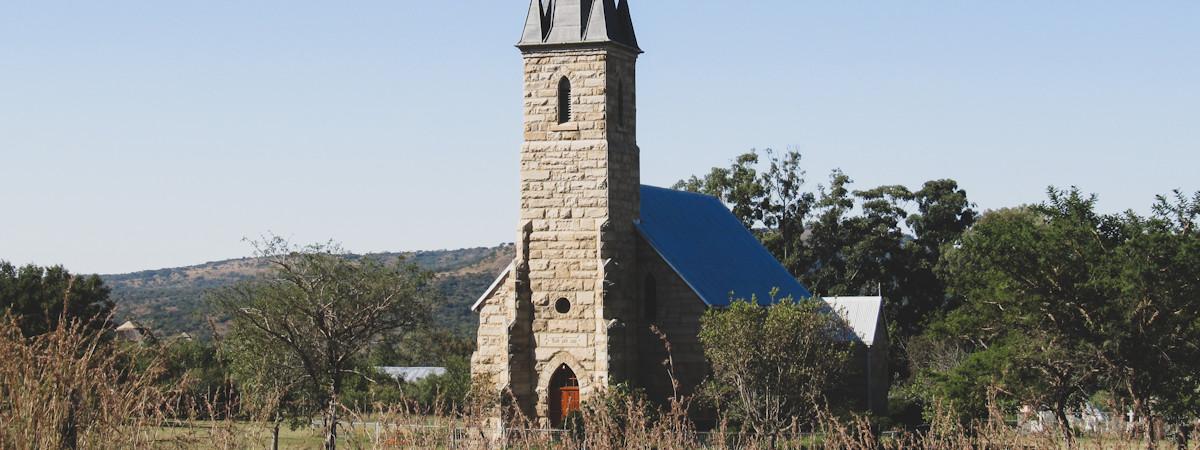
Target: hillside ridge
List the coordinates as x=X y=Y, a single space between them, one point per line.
x=171 y=300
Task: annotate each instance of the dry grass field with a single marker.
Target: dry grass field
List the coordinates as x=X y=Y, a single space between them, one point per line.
x=223 y=435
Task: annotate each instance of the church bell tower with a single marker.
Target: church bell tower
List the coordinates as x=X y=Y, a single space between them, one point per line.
x=574 y=275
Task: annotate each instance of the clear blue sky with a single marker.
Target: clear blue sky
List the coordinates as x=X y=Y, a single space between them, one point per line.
x=139 y=134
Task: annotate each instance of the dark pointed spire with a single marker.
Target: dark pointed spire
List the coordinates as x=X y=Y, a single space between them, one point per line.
x=559 y=22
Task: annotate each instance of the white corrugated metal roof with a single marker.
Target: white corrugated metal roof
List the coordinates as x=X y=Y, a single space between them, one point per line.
x=411 y=374
x=862 y=313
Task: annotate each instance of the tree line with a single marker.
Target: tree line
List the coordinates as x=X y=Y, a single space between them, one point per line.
x=304 y=341
x=1049 y=306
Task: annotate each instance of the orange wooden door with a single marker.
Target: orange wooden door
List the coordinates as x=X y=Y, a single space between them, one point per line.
x=569 y=402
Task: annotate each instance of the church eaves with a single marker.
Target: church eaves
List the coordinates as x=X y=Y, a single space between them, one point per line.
x=567 y=22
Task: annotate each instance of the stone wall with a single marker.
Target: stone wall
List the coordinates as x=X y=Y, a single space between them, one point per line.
x=579 y=200
x=879 y=375
x=678 y=316
x=491 y=351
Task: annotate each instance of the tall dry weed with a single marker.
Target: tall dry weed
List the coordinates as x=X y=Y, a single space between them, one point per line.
x=618 y=418
x=70 y=388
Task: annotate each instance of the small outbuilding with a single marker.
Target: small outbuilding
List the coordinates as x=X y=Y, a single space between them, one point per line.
x=864 y=316
x=412 y=374
x=131 y=331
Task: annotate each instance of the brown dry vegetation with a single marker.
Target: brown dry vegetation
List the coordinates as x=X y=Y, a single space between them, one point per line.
x=69 y=389
x=72 y=389
x=614 y=420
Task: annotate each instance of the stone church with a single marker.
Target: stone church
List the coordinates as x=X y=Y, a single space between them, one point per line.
x=600 y=258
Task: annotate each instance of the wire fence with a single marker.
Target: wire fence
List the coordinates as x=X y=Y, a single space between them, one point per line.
x=455 y=437
x=443 y=436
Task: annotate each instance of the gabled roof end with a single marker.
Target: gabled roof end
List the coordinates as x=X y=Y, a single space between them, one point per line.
x=495 y=285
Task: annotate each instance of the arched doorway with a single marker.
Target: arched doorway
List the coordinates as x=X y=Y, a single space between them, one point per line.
x=564 y=395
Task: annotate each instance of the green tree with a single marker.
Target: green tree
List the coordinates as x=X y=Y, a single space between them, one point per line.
x=196 y=369
x=39 y=297
x=1064 y=300
x=271 y=385
x=425 y=347
x=324 y=308
x=1028 y=277
x=770 y=364
x=943 y=214
x=951 y=379
x=1150 y=337
x=442 y=394
x=841 y=241
x=739 y=186
x=823 y=263
x=786 y=207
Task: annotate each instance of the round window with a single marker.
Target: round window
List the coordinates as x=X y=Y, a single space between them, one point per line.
x=562 y=305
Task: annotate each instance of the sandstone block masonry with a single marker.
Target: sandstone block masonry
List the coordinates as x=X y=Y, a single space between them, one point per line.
x=575 y=272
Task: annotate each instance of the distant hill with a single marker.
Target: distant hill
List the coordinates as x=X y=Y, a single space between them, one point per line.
x=171 y=301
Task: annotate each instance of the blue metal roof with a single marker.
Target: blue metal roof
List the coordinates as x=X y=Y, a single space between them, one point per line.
x=710 y=249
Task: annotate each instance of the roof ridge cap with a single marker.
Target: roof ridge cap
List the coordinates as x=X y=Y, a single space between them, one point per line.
x=679 y=191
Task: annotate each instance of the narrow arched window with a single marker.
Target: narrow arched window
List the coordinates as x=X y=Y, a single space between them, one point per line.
x=564 y=100
x=650 y=299
x=620 y=104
